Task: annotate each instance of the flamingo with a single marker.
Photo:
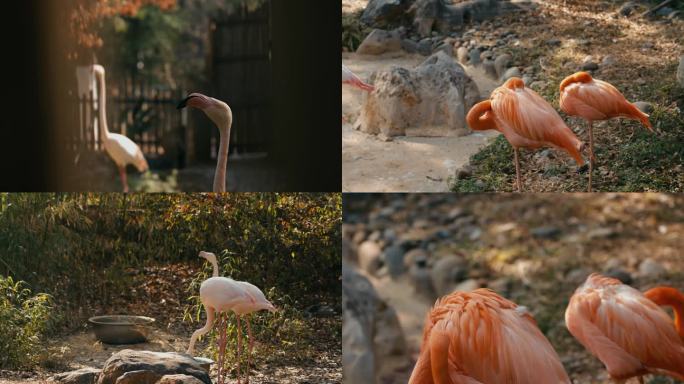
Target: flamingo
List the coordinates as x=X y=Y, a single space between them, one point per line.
x=526 y=120
x=348 y=77
x=222 y=294
x=119 y=147
x=629 y=333
x=671 y=297
x=480 y=337
x=222 y=116
x=593 y=99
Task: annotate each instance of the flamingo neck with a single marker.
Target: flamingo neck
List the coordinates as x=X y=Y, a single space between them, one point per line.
x=671 y=297
x=220 y=175
x=216 y=268
x=422 y=372
x=102 y=105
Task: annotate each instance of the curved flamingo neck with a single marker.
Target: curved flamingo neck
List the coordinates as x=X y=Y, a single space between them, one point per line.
x=222 y=162
x=102 y=104
x=214 y=264
x=422 y=372
x=479 y=117
x=671 y=297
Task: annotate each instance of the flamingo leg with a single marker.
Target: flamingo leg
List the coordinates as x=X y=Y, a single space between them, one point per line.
x=239 y=335
x=223 y=324
x=124 y=180
x=251 y=347
x=591 y=153
x=517 y=169
x=210 y=321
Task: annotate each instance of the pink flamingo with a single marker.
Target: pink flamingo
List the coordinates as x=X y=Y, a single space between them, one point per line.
x=630 y=334
x=120 y=148
x=222 y=294
x=593 y=99
x=221 y=114
x=526 y=120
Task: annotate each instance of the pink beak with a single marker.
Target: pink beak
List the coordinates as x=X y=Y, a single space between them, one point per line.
x=361 y=85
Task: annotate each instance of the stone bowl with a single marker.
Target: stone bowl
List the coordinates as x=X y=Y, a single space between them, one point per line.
x=121 y=329
x=204 y=362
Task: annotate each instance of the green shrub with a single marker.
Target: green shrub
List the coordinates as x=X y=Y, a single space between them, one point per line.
x=23 y=320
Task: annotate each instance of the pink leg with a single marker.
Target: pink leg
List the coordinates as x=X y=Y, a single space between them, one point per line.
x=249 y=351
x=591 y=154
x=124 y=180
x=517 y=170
x=222 y=348
x=239 y=335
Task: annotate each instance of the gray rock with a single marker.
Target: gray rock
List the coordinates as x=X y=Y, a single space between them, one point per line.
x=179 y=379
x=511 y=72
x=680 y=71
x=380 y=13
x=546 y=232
x=447 y=272
x=81 y=376
x=589 y=66
x=129 y=361
x=648 y=45
x=664 y=11
x=674 y=14
x=474 y=57
x=464 y=173
x=501 y=63
x=527 y=80
x=415 y=256
x=425 y=47
x=644 y=106
x=490 y=69
x=602 y=233
x=394 y=260
x=651 y=269
x=380 y=41
x=139 y=377
x=409 y=46
x=358 y=359
x=619 y=274
x=501 y=286
x=436 y=96
x=369 y=256
x=538 y=85
x=577 y=276
x=462 y=55
x=421 y=281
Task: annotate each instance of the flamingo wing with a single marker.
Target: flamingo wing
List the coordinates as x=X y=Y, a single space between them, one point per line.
x=124 y=151
x=629 y=333
x=481 y=337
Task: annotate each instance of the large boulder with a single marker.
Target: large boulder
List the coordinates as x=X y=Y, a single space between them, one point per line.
x=380 y=41
x=81 y=376
x=430 y=100
x=179 y=379
x=381 y=13
x=129 y=366
x=444 y=17
x=371 y=332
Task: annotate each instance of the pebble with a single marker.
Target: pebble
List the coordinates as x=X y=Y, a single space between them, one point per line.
x=619 y=274
x=474 y=56
x=511 y=72
x=546 y=232
x=644 y=106
x=590 y=66
x=608 y=60
x=651 y=269
x=553 y=42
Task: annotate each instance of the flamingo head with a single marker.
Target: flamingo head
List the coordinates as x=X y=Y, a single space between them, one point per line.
x=210 y=257
x=582 y=147
x=218 y=111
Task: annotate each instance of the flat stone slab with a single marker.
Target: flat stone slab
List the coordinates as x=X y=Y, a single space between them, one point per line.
x=146 y=366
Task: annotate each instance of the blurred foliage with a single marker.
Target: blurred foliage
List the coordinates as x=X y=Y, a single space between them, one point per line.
x=353 y=31
x=81 y=247
x=23 y=320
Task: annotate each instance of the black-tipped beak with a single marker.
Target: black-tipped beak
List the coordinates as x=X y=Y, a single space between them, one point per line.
x=583 y=168
x=184 y=103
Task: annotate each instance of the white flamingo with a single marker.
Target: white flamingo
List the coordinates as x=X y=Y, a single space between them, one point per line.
x=221 y=114
x=119 y=147
x=222 y=294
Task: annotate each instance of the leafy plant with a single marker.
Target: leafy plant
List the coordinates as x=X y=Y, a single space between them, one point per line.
x=24 y=318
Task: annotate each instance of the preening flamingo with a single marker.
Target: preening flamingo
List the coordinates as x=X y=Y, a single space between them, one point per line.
x=119 y=147
x=222 y=294
x=670 y=297
x=221 y=115
x=526 y=120
x=593 y=99
x=480 y=337
x=348 y=77
x=629 y=333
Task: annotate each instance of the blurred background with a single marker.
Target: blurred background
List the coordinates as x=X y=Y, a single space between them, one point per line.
x=256 y=55
x=67 y=257
x=401 y=252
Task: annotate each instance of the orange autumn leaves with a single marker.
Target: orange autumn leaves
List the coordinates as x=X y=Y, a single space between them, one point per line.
x=86 y=13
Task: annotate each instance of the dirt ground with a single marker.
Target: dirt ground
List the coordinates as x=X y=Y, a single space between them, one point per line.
x=406 y=163
x=311 y=356
x=542 y=250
